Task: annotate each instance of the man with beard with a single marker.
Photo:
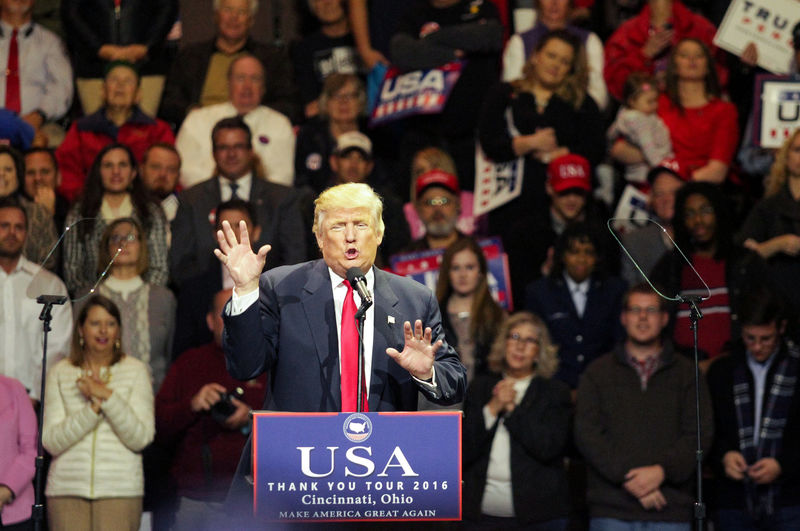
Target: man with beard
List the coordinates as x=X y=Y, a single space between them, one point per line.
x=438 y=207
x=703 y=231
x=160 y=168
x=635 y=424
x=21 y=281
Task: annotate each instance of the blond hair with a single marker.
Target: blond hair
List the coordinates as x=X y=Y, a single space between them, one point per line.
x=347 y=196
x=779 y=173
x=546 y=362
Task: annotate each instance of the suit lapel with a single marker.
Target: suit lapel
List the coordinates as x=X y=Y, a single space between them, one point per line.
x=317 y=303
x=385 y=336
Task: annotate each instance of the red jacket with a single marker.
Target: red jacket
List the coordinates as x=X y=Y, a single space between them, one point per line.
x=623 y=50
x=90 y=134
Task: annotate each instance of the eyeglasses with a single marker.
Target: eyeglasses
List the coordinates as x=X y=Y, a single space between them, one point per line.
x=437 y=201
x=117 y=239
x=649 y=310
x=529 y=341
x=345 y=96
x=231 y=147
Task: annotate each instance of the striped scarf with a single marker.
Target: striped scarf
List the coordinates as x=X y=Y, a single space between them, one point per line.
x=761 y=498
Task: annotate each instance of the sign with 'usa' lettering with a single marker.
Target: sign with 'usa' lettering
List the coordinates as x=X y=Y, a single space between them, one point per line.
x=417 y=92
x=329 y=467
x=777 y=110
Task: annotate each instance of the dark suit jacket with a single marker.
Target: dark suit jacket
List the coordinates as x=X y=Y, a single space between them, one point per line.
x=291 y=333
x=193 y=240
x=583 y=339
x=194 y=299
x=539 y=428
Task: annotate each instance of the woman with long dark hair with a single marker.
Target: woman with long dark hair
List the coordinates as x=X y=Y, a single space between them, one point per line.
x=703 y=127
x=113 y=190
x=470 y=315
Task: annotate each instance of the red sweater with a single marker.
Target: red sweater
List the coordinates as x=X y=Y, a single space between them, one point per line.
x=701 y=134
x=90 y=134
x=178 y=426
x=623 y=50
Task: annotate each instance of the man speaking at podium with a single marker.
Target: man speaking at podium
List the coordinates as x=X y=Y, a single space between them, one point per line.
x=297 y=321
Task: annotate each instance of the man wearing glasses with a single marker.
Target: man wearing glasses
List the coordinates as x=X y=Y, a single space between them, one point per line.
x=756 y=418
x=635 y=425
x=236 y=177
x=438 y=207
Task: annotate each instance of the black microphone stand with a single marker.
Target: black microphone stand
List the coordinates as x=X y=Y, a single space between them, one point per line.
x=360 y=318
x=694 y=316
x=46 y=317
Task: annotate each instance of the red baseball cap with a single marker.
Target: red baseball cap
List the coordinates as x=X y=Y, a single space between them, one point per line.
x=437 y=177
x=569 y=171
x=669 y=165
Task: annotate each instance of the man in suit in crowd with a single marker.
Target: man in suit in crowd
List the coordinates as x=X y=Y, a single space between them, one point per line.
x=197 y=293
x=235 y=177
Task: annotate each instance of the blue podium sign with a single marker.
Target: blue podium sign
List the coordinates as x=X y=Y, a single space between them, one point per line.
x=330 y=467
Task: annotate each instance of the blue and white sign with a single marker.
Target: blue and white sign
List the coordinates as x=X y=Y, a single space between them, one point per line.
x=331 y=467
x=416 y=92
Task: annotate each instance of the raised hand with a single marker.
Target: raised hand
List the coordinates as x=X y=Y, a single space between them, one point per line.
x=238 y=257
x=418 y=353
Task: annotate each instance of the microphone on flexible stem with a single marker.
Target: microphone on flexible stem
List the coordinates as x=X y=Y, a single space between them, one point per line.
x=359 y=283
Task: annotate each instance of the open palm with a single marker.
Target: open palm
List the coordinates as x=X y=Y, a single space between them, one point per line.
x=238 y=257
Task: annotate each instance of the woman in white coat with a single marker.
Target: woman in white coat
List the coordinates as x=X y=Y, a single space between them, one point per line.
x=98 y=417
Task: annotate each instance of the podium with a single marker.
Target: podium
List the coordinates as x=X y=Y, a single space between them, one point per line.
x=342 y=467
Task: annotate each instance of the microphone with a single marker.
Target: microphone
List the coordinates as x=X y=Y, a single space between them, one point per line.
x=359 y=283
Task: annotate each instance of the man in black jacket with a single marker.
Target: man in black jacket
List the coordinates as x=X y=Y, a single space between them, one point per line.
x=756 y=453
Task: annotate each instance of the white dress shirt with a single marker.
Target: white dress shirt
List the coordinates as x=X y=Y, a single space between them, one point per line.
x=579 y=291
x=20 y=328
x=240 y=303
x=45 y=73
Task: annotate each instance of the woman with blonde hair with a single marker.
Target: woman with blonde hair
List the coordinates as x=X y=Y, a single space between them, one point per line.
x=772 y=228
x=98 y=418
x=516 y=429
x=534 y=120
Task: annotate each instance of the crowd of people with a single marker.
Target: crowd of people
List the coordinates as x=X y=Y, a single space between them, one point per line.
x=133 y=131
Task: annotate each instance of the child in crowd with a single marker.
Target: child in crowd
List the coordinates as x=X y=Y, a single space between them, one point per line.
x=638 y=123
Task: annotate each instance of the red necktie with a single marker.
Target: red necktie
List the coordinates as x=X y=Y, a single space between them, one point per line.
x=349 y=356
x=12 y=75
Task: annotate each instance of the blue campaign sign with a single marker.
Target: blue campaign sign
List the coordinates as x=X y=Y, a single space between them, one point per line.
x=357 y=466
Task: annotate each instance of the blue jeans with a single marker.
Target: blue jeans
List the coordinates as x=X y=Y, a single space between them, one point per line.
x=612 y=524
x=784 y=519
